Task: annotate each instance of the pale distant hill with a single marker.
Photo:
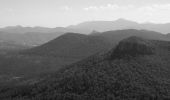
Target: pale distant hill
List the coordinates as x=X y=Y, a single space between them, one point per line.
x=102 y=26
x=41 y=35
x=21 y=29
x=89 y=26
x=31 y=35
x=120 y=24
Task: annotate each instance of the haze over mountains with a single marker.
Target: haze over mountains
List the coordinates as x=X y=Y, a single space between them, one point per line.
x=39 y=35
x=119 y=24
x=89 y=26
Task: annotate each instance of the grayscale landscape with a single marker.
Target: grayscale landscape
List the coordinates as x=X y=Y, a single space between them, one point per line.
x=84 y=50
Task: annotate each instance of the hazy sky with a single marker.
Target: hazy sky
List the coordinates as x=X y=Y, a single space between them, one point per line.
x=53 y=13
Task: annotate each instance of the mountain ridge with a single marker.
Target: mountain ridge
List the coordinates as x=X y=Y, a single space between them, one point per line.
x=120 y=24
x=71 y=45
x=75 y=44
x=40 y=35
x=99 y=77
x=88 y=26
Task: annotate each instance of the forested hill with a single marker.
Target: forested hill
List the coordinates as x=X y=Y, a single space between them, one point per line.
x=71 y=45
x=141 y=74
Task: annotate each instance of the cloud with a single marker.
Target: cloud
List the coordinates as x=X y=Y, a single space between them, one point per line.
x=153 y=7
x=162 y=6
x=107 y=7
x=156 y=10
x=156 y=7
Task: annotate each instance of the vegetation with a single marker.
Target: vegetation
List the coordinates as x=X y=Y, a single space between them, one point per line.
x=143 y=76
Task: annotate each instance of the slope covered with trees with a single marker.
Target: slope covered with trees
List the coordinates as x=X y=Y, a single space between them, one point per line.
x=141 y=74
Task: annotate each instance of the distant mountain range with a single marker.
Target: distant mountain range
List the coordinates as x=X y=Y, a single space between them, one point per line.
x=89 y=26
x=33 y=36
x=120 y=24
x=22 y=30
x=134 y=69
x=28 y=39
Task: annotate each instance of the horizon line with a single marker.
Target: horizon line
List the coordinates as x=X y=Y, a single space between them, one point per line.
x=29 y=26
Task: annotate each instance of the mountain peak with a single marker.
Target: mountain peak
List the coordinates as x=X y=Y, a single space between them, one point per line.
x=132 y=46
x=121 y=20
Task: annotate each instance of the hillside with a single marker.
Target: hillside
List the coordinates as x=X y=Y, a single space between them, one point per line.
x=64 y=50
x=18 y=61
x=141 y=74
x=71 y=45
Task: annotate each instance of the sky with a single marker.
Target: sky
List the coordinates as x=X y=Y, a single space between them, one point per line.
x=56 y=13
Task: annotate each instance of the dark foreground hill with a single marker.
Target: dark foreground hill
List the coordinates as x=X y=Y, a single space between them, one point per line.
x=136 y=69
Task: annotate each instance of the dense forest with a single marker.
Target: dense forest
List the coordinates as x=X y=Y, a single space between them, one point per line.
x=135 y=69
